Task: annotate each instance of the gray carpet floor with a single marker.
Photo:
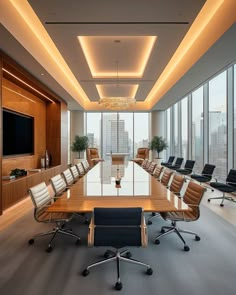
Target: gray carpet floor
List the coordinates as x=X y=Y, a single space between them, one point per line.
x=208 y=268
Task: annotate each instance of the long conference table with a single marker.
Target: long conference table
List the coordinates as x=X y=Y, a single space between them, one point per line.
x=98 y=189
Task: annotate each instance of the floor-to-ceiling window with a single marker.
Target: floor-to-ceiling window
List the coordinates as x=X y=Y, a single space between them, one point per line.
x=168 y=152
x=141 y=130
x=176 y=130
x=234 y=116
x=114 y=132
x=184 y=128
x=197 y=128
x=93 y=126
x=218 y=124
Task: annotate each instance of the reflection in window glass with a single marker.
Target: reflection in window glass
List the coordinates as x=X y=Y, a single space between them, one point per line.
x=184 y=128
x=234 y=115
x=141 y=130
x=176 y=131
x=218 y=124
x=197 y=128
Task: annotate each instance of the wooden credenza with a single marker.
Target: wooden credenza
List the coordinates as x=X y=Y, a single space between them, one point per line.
x=16 y=190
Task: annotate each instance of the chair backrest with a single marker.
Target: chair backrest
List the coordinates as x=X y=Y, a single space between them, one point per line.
x=68 y=177
x=208 y=170
x=85 y=165
x=143 y=153
x=118 y=227
x=74 y=172
x=193 y=196
x=144 y=163
x=231 y=178
x=166 y=177
x=92 y=153
x=178 y=162
x=176 y=184
x=189 y=164
x=58 y=184
x=151 y=167
x=40 y=197
x=80 y=168
x=171 y=159
x=158 y=170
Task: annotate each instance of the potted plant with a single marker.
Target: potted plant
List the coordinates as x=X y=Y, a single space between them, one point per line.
x=80 y=144
x=158 y=144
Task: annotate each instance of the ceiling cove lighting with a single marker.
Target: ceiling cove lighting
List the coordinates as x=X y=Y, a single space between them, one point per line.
x=17 y=78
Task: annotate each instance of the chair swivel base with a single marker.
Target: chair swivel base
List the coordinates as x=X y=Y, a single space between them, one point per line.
x=54 y=232
x=154 y=215
x=165 y=230
x=118 y=256
x=222 y=198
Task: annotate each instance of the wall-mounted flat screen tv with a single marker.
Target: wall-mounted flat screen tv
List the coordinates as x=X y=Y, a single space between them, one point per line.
x=18 y=133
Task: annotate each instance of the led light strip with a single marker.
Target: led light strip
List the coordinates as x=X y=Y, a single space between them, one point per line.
x=17 y=78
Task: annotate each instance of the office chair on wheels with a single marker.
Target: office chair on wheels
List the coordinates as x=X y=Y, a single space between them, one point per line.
x=175 y=187
x=206 y=175
x=42 y=200
x=117 y=228
x=192 y=197
x=228 y=187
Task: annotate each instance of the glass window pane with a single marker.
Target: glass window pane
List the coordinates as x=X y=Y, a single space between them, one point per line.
x=218 y=124
x=176 y=131
x=234 y=115
x=94 y=130
x=110 y=133
x=168 y=133
x=141 y=130
x=197 y=128
x=125 y=134
x=184 y=128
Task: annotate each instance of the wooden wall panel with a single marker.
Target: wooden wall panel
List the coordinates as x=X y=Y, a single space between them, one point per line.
x=18 y=99
x=64 y=134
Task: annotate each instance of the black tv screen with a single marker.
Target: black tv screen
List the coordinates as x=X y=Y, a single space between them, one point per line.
x=18 y=133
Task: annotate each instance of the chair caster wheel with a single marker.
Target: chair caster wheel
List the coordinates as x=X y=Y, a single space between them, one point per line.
x=186 y=248
x=149 y=271
x=162 y=231
x=128 y=255
x=85 y=272
x=31 y=241
x=149 y=222
x=153 y=214
x=49 y=249
x=197 y=238
x=157 y=242
x=208 y=200
x=118 y=286
x=221 y=205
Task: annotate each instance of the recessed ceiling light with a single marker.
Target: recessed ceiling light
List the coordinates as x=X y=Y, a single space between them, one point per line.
x=42 y=74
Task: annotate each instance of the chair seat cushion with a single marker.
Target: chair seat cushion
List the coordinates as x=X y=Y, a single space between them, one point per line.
x=184 y=171
x=201 y=178
x=185 y=216
x=223 y=187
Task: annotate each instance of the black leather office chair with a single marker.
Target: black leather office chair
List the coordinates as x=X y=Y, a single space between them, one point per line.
x=169 y=161
x=176 y=165
x=228 y=187
x=193 y=196
x=206 y=175
x=117 y=228
x=188 y=168
x=42 y=200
